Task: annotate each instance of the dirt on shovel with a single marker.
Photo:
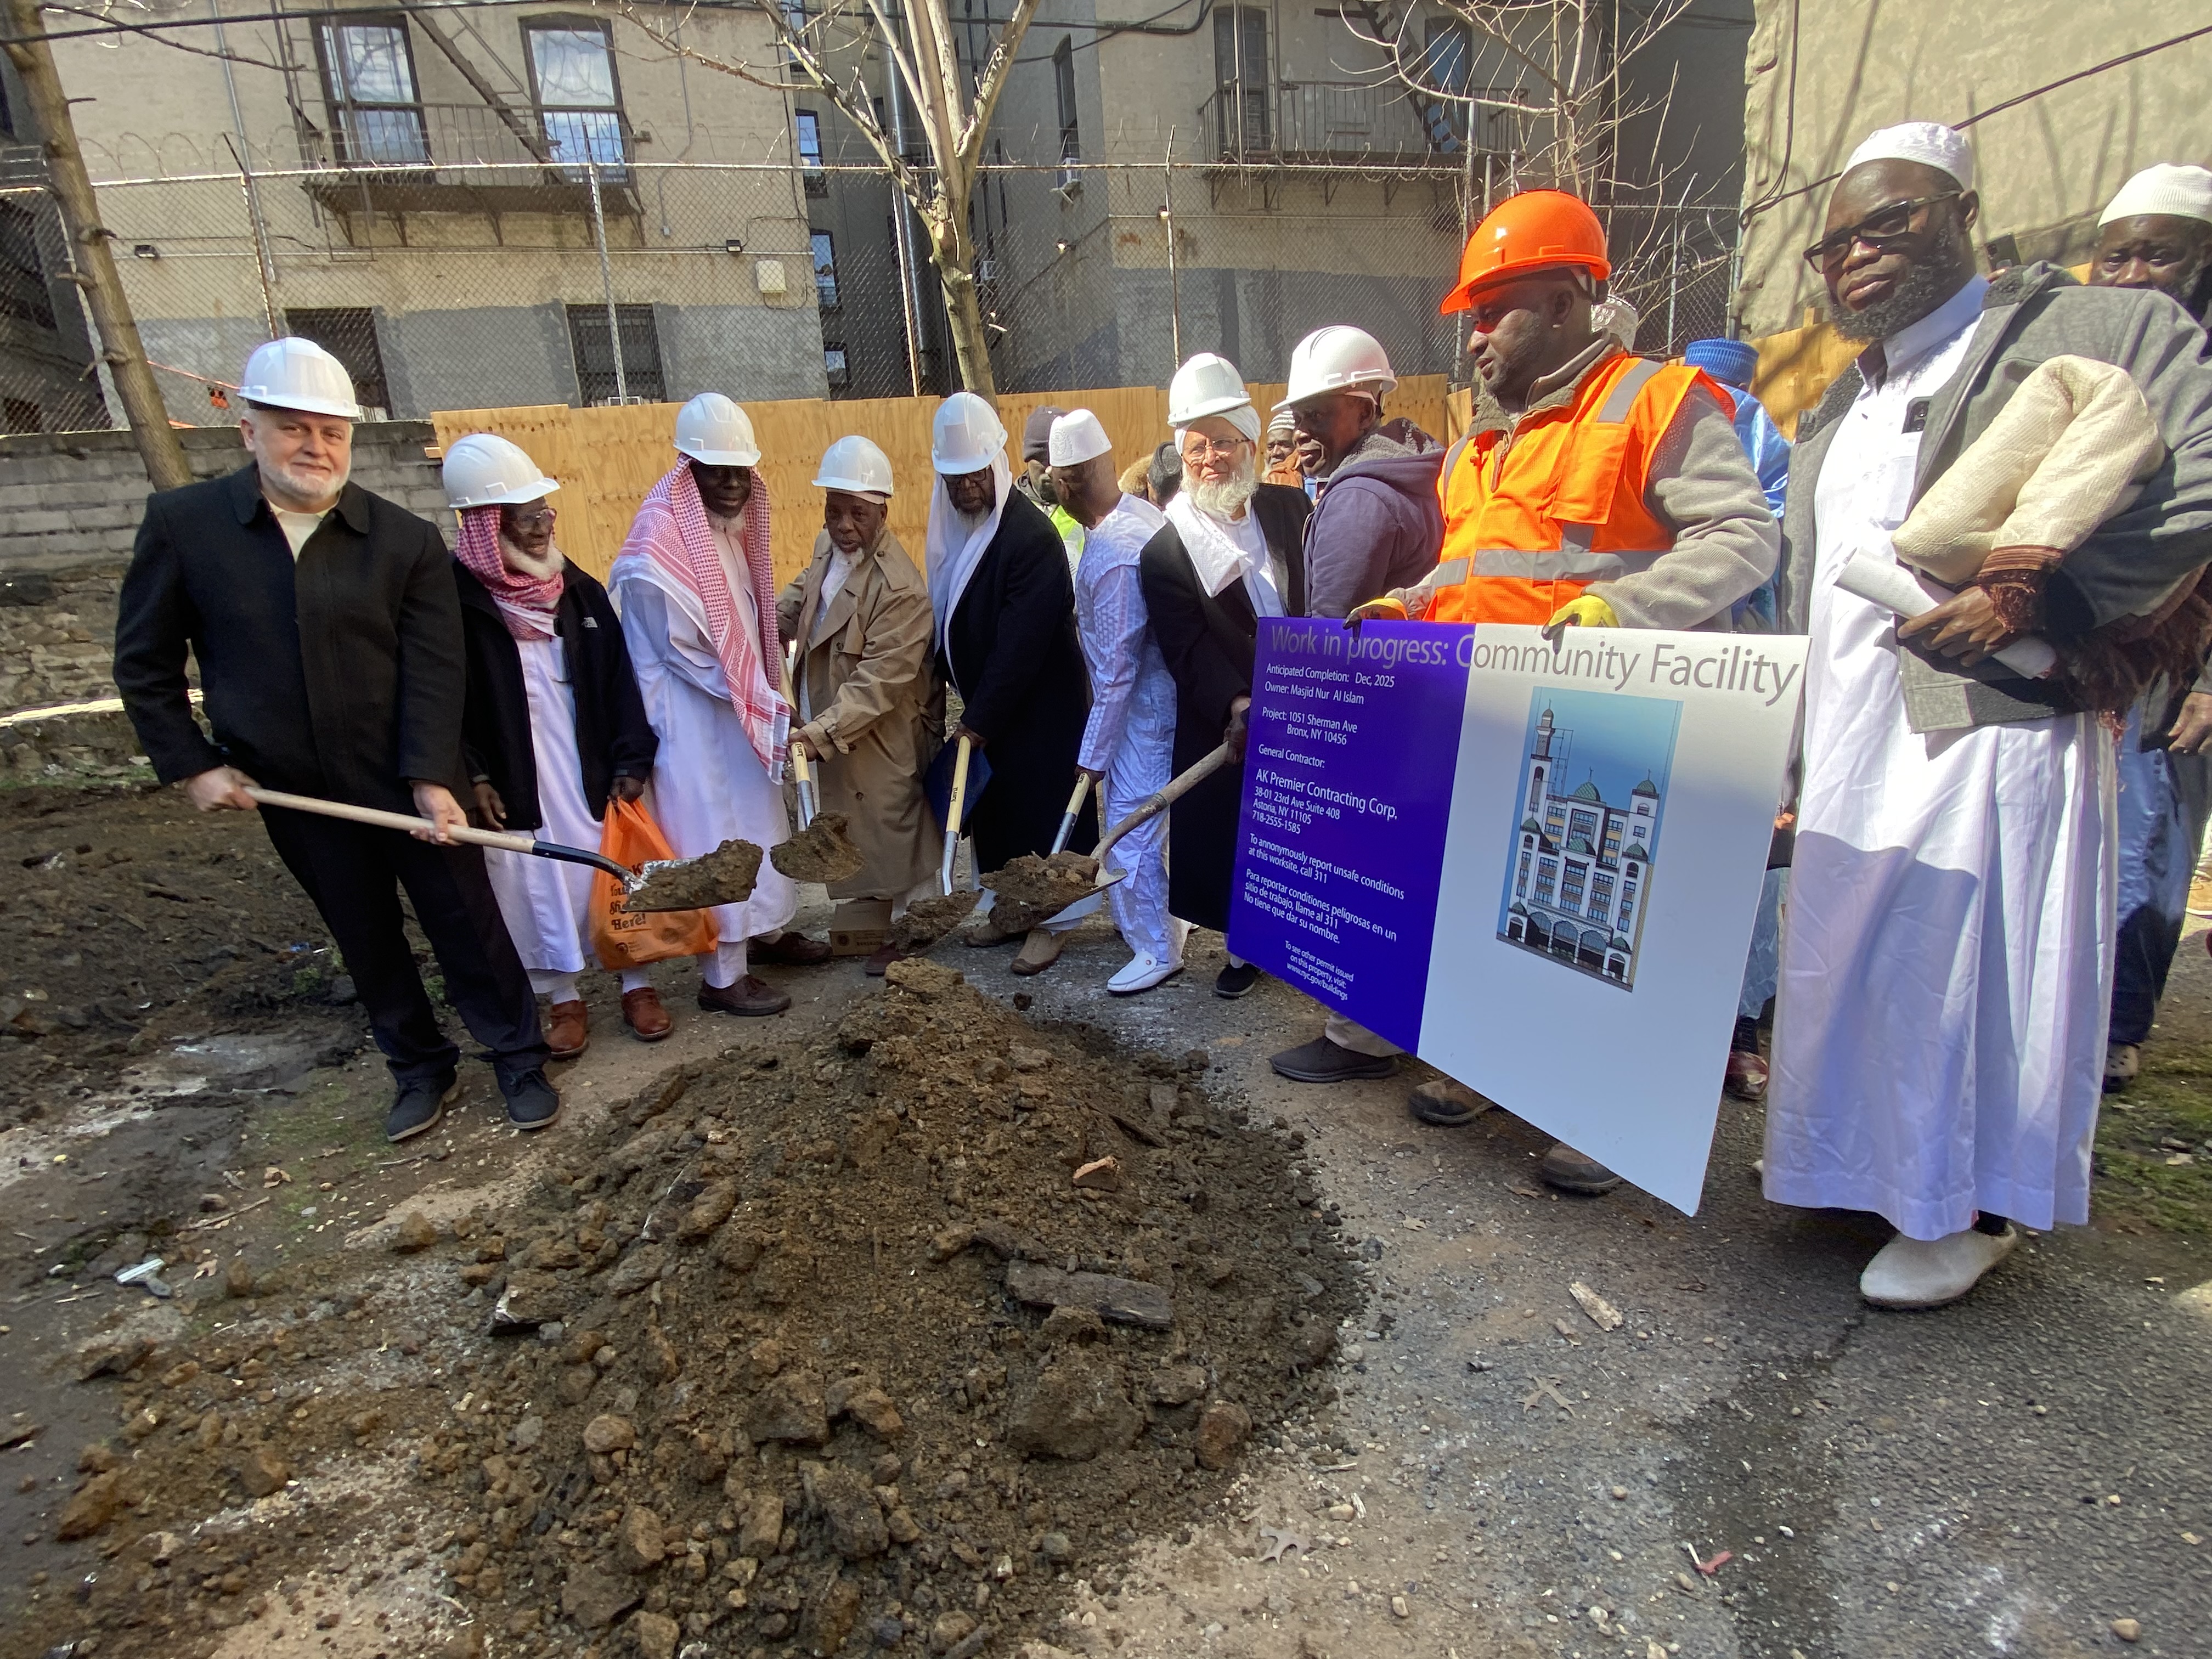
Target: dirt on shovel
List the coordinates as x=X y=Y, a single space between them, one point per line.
x=1030 y=889
x=929 y=919
x=725 y=876
x=822 y=852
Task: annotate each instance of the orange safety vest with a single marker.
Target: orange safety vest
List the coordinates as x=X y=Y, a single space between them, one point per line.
x=1532 y=520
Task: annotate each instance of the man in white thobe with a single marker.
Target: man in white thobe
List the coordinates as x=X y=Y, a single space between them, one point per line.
x=1939 y=1042
x=1129 y=741
x=697 y=595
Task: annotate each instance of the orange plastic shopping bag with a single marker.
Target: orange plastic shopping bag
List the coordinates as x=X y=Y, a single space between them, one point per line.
x=630 y=938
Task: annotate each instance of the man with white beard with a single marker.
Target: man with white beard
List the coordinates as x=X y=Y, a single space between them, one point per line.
x=1229 y=554
x=1128 y=738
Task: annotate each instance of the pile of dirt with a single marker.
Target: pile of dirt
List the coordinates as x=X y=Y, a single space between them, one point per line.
x=725 y=876
x=1031 y=889
x=134 y=921
x=822 y=852
x=929 y=919
x=883 y=1339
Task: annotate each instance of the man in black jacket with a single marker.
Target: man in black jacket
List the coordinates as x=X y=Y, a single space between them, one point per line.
x=1005 y=640
x=1231 y=554
x=328 y=636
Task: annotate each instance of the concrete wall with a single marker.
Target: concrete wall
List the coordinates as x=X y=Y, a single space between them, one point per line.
x=72 y=501
x=2047 y=167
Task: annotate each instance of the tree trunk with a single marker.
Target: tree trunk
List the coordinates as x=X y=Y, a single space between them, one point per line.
x=119 y=345
x=953 y=252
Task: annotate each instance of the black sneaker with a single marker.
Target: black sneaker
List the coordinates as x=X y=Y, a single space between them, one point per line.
x=532 y=1102
x=418 y=1106
x=1234 y=981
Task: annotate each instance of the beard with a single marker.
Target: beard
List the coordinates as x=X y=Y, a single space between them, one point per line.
x=1225 y=498
x=1919 y=292
x=302 y=485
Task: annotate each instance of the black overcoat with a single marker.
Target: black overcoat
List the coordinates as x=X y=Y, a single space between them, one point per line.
x=1011 y=652
x=614 y=739
x=1208 y=641
x=340 y=675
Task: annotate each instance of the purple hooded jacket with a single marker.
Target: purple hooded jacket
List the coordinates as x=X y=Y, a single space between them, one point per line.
x=1377 y=525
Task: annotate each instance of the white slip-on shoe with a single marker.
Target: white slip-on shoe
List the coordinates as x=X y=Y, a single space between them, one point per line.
x=1144 y=971
x=2123 y=1062
x=1912 y=1272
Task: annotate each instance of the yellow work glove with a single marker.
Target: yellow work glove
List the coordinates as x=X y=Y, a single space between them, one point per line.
x=1385 y=609
x=1588 y=612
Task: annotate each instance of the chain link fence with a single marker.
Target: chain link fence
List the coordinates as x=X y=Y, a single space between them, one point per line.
x=471 y=283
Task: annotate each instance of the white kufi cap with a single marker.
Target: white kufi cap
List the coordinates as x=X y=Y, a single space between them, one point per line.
x=1928 y=142
x=1077 y=437
x=2171 y=191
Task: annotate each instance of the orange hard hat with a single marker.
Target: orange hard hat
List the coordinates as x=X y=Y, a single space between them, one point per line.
x=1536 y=230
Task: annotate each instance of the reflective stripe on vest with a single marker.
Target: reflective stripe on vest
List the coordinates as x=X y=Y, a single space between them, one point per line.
x=1573 y=485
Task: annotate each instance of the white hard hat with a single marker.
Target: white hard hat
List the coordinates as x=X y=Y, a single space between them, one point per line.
x=1207 y=385
x=965 y=435
x=1077 y=437
x=1337 y=358
x=485 y=470
x=296 y=374
x=856 y=466
x=712 y=429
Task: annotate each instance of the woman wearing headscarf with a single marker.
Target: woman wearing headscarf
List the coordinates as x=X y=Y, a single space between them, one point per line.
x=697 y=593
x=553 y=726
x=870 y=707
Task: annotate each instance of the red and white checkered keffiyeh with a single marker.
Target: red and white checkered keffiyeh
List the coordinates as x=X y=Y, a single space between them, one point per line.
x=672 y=531
x=526 y=602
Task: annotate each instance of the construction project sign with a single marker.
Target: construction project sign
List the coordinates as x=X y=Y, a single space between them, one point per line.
x=1535 y=863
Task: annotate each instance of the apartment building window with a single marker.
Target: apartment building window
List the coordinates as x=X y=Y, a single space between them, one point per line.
x=1063 y=83
x=595 y=355
x=826 y=270
x=349 y=334
x=571 y=73
x=808 y=125
x=1240 y=77
x=368 y=82
x=834 y=368
x=23 y=291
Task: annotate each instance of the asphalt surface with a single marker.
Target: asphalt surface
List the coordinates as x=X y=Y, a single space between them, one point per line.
x=2010 y=1475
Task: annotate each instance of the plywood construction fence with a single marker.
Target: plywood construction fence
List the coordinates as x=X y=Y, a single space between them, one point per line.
x=607 y=460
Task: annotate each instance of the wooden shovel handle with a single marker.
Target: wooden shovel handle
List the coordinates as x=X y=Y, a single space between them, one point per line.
x=504 y=840
x=1159 y=802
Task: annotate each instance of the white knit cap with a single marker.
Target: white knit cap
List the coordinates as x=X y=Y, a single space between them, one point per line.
x=1928 y=142
x=1077 y=437
x=2176 y=192
x=1616 y=316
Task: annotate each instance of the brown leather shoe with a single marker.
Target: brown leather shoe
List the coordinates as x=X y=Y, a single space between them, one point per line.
x=788 y=949
x=750 y=997
x=647 y=1020
x=1746 y=1077
x=567 y=1030
x=1039 y=951
x=882 y=959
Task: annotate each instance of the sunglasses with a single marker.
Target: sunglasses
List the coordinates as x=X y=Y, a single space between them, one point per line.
x=1879 y=230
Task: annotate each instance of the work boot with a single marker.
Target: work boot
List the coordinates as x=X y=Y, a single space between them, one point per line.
x=750 y=997
x=1571 y=1172
x=1323 y=1061
x=789 y=949
x=644 y=1014
x=532 y=1102
x=1039 y=951
x=567 y=1030
x=1912 y=1272
x=418 y=1106
x=1448 y=1103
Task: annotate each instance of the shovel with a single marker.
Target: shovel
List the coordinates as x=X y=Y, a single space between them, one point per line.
x=953 y=803
x=1155 y=804
x=802 y=770
x=1058 y=843
x=633 y=881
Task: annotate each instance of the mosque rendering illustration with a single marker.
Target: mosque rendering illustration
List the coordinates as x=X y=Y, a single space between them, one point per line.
x=1579 y=879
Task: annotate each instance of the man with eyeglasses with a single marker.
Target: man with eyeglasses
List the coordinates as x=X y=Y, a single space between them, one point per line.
x=1941 y=1022
x=2157 y=234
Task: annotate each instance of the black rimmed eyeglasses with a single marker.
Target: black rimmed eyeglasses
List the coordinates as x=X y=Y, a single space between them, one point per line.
x=1879 y=230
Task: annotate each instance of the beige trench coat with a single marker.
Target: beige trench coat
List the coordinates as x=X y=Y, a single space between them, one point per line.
x=867 y=672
